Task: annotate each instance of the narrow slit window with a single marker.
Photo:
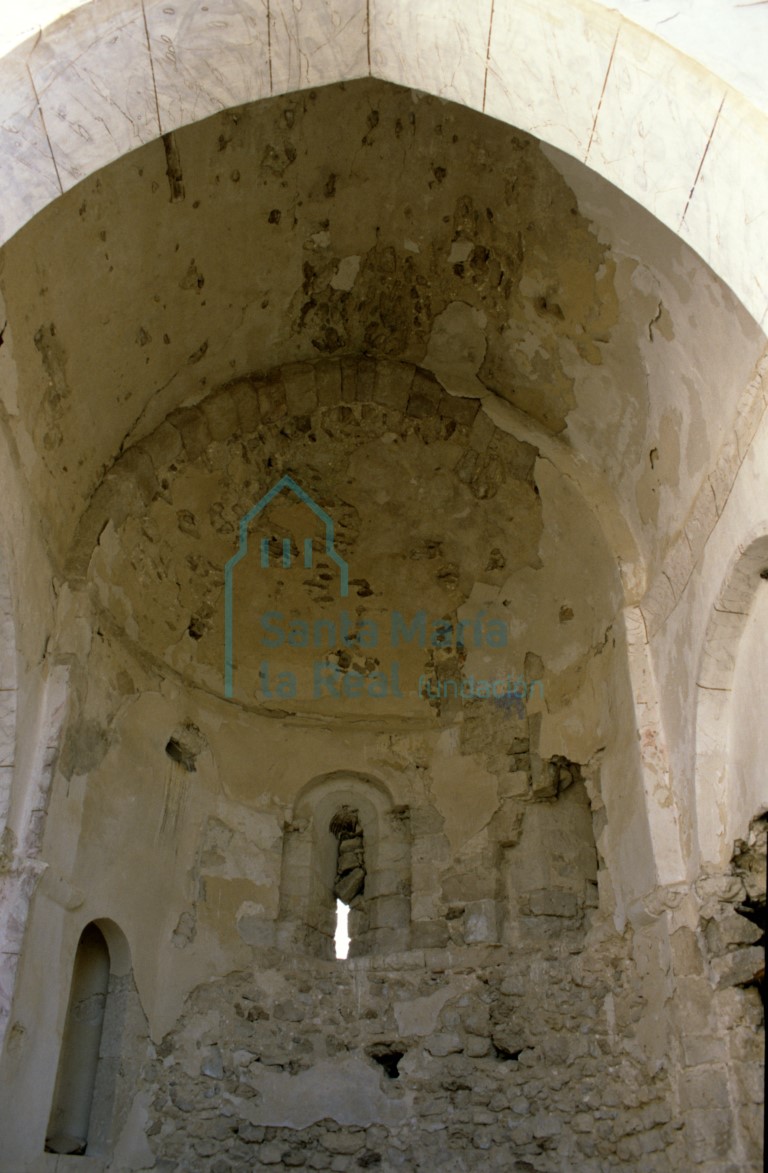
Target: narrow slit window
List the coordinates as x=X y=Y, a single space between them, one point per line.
x=341 y=939
x=349 y=883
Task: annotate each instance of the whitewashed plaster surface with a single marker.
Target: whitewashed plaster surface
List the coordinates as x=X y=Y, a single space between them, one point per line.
x=686 y=143
x=710 y=676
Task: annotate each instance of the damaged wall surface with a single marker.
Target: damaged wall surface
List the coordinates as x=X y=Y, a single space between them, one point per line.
x=383 y=493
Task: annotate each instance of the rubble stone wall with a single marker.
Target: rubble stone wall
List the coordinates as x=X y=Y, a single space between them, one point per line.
x=459 y=1059
x=482 y=1057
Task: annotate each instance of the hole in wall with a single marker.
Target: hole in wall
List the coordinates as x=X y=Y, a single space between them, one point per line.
x=178 y=753
x=504 y=1055
x=185 y=745
x=754 y=910
x=388 y=1056
x=196 y=628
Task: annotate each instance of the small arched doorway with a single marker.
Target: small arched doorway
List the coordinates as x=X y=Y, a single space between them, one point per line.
x=81 y=1111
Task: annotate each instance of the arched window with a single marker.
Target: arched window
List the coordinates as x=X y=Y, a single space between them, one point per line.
x=84 y=1090
x=346 y=843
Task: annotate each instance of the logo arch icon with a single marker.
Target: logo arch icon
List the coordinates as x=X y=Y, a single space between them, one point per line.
x=289 y=484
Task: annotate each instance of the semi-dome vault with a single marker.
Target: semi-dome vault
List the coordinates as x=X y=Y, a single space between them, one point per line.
x=373 y=460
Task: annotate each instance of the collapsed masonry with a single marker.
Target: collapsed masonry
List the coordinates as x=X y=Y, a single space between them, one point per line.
x=476 y=1054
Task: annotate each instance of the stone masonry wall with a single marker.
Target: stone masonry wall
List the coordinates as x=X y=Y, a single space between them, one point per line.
x=461 y=1059
x=482 y=1057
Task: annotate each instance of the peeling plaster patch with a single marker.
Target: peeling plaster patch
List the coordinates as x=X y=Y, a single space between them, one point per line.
x=348 y=1091
x=320 y=240
x=456 y=349
x=346 y=273
x=663 y=468
x=132 y=1149
x=461 y=250
x=419 y=1016
x=232 y=854
x=84 y=748
x=53 y=357
x=460 y=822
x=185 y=931
x=250 y=920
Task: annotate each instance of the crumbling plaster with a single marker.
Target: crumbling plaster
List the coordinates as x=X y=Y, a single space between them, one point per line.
x=698 y=170
x=506 y=310
x=625 y=426
x=130 y=694
x=657 y=329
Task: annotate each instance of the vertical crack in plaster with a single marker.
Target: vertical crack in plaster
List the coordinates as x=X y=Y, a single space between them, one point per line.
x=174 y=801
x=654 y=320
x=701 y=162
x=45 y=129
x=488 y=53
x=173 y=171
x=269 y=46
x=368 y=33
x=602 y=93
x=152 y=67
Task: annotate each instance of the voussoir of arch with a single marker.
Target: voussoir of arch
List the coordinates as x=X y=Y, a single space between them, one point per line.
x=114 y=74
x=715 y=686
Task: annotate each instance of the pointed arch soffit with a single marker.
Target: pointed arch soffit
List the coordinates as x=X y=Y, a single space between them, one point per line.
x=715 y=688
x=111 y=76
